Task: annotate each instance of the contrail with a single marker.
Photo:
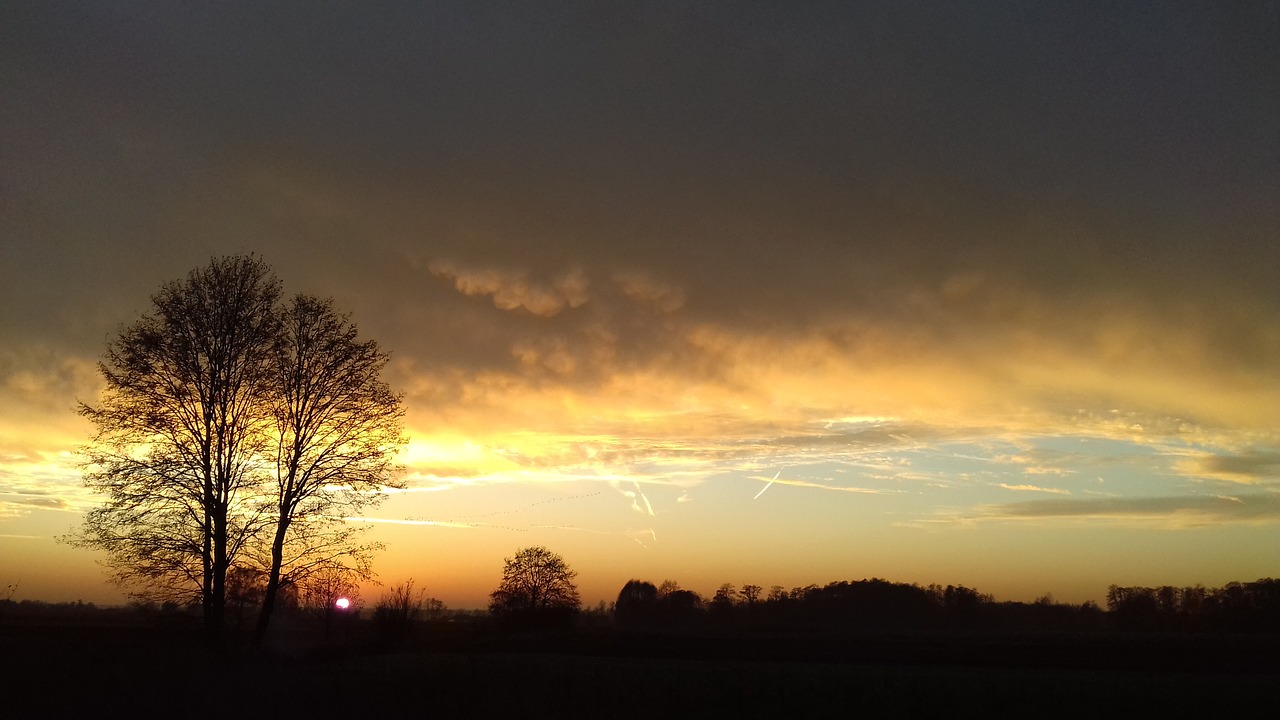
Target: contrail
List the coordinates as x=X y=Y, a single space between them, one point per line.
x=411 y=521
x=766 y=487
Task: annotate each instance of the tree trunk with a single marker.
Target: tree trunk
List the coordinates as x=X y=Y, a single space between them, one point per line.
x=215 y=620
x=206 y=584
x=273 y=582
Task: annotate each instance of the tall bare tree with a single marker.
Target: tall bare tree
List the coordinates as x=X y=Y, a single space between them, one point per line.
x=237 y=432
x=337 y=426
x=179 y=435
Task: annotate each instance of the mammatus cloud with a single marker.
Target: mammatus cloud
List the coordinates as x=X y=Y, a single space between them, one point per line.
x=515 y=289
x=643 y=287
x=553 y=354
x=45 y=381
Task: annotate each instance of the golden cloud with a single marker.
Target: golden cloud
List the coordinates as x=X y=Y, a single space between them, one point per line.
x=514 y=289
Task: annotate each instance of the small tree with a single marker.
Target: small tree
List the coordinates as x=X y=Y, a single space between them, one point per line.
x=396 y=612
x=725 y=598
x=322 y=590
x=244 y=592
x=323 y=594
x=637 y=603
x=536 y=589
x=667 y=588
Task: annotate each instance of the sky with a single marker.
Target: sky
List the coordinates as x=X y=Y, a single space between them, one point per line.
x=723 y=292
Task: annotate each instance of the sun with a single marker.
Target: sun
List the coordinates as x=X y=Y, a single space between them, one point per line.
x=342 y=603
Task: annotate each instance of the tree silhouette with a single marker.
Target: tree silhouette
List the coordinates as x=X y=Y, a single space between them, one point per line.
x=398 y=610
x=681 y=605
x=537 y=588
x=234 y=432
x=245 y=586
x=180 y=429
x=637 y=603
x=724 y=600
x=337 y=425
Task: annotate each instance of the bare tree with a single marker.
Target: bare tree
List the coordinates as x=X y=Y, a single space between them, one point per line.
x=399 y=609
x=235 y=431
x=401 y=604
x=667 y=588
x=537 y=585
x=322 y=590
x=337 y=427
x=725 y=597
x=245 y=586
x=179 y=433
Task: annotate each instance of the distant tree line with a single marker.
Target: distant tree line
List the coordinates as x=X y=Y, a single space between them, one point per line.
x=537 y=592
x=861 y=605
x=1234 y=607
x=877 y=605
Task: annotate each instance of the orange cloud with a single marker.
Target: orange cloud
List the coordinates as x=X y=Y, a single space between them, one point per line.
x=513 y=289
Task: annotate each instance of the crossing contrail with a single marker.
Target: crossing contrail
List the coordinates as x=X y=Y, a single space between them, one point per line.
x=766 y=487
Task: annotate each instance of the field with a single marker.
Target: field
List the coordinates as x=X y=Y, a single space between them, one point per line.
x=61 y=668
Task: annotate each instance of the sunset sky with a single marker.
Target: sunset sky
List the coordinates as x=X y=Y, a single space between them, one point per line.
x=966 y=293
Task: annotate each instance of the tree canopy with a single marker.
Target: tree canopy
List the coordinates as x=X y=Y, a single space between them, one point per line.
x=537 y=586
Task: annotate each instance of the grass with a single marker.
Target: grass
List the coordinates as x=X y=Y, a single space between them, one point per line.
x=54 y=669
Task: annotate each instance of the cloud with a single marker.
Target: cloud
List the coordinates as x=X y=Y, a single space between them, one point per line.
x=43 y=379
x=1035 y=488
x=1167 y=511
x=514 y=289
x=1038 y=470
x=552 y=354
x=1259 y=467
x=18 y=504
x=42 y=480
x=643 y=287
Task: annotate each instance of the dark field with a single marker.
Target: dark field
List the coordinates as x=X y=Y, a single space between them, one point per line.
x=63 y=667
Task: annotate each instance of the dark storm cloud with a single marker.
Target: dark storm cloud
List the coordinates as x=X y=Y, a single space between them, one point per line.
x=851 y=103
x=941 y=175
